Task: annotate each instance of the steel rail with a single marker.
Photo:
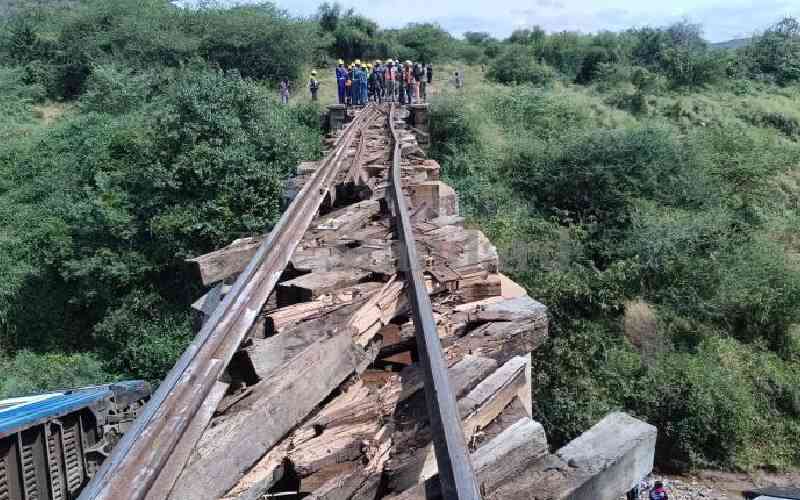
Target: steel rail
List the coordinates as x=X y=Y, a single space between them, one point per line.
x=456 y=475
x=138 y=458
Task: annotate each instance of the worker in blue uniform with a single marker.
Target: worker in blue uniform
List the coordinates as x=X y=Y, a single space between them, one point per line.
x=341 y=80
x=359 y=84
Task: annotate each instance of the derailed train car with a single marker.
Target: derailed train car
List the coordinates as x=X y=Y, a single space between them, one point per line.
x=52 y=444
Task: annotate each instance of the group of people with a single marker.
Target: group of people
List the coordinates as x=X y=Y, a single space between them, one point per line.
x=383 y=81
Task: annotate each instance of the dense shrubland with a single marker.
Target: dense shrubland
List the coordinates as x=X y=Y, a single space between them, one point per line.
x=136 y=134
x=655 y=213
x=169 y=143
x=643 y=184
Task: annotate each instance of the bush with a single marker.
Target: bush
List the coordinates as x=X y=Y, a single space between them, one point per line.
x=518 y=65
x=29 y=373
x=161 y=336
x=187 y=173
x=115 y=90
x=757 y=295
x=453 y=127
x=594 y=175
x=776 y=52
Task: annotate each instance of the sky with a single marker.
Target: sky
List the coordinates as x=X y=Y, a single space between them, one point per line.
x=721 y=19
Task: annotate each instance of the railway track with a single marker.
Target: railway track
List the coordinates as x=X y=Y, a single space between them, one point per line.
x=367 y=348
x=456 y=474
x=131 y=470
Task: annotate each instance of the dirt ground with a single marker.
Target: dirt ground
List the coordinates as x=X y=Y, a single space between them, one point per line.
x=717 y=485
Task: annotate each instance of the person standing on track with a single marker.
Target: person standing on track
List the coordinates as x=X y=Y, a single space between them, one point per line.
x=341 y=81
x=372 y=83
x=429 y=73
x=349 y=86
x=313 y=86
x=361 y=78
x=365 y=85
x=390 y=74
x=283 y=90
x=410 y=83
x=380 y=78
x=358 y=75
x=420 y=82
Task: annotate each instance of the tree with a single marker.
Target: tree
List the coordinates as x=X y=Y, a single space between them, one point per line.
x=777 y=52
x=354 y=36
x=429 y=41
x=518 y=65
x=328 y=15
x=477 y=37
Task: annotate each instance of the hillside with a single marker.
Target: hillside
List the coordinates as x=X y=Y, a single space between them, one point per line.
x=641 y=184
x=736 y=43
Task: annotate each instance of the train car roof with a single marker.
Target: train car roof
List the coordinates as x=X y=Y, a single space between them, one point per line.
x=23 y=416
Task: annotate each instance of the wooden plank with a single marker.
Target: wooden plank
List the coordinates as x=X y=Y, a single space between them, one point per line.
x=347 y=219
x=263 y=476
x=224 y=263
x=338 y=433
x=478 y=408
x=313 y=285
x=279 y=319
x=362 y=481
x=378 y=311
x=180 y=455
x=508 y=456
x=273 y=408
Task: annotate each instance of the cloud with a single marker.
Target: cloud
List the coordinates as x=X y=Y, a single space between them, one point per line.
x=721 y=19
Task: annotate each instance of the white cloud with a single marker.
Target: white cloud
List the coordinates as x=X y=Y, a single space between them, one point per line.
x=722 y=19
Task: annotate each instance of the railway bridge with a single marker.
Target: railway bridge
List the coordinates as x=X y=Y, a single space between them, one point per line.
x=367 y=347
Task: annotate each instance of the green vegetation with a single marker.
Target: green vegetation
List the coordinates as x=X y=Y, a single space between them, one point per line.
x=642 y=184
x=652 y=205
x=169 y=143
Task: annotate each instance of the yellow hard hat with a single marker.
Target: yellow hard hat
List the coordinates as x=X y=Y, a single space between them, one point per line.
x=350 y=67
x=340 y=62
x=358 y=62
x=314 y=72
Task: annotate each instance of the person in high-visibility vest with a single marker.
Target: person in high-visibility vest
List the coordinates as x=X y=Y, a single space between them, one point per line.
x=313 y=85
x=390 y=77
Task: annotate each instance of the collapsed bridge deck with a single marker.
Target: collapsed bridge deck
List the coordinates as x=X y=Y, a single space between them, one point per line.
x=309 y=377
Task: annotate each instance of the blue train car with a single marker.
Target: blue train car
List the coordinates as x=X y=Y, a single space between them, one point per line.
x=52 y=444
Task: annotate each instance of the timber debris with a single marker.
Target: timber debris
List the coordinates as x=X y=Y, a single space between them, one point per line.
x=324 y=398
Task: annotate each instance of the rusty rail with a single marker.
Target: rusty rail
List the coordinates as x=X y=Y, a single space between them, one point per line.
x=138 y=459
x=456 y=475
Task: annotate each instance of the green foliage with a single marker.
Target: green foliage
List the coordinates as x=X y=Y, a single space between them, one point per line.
x=60 y=49
x=161 y=336
x=353 y=36
x=27 y=373
x=98 y=262
x=116 y=90
x=519 y=65
x=776 y=53
x=685 y=203
x=260 y=41
x=757 y=294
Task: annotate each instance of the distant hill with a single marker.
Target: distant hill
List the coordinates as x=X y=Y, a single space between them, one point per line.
x=736 y=43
